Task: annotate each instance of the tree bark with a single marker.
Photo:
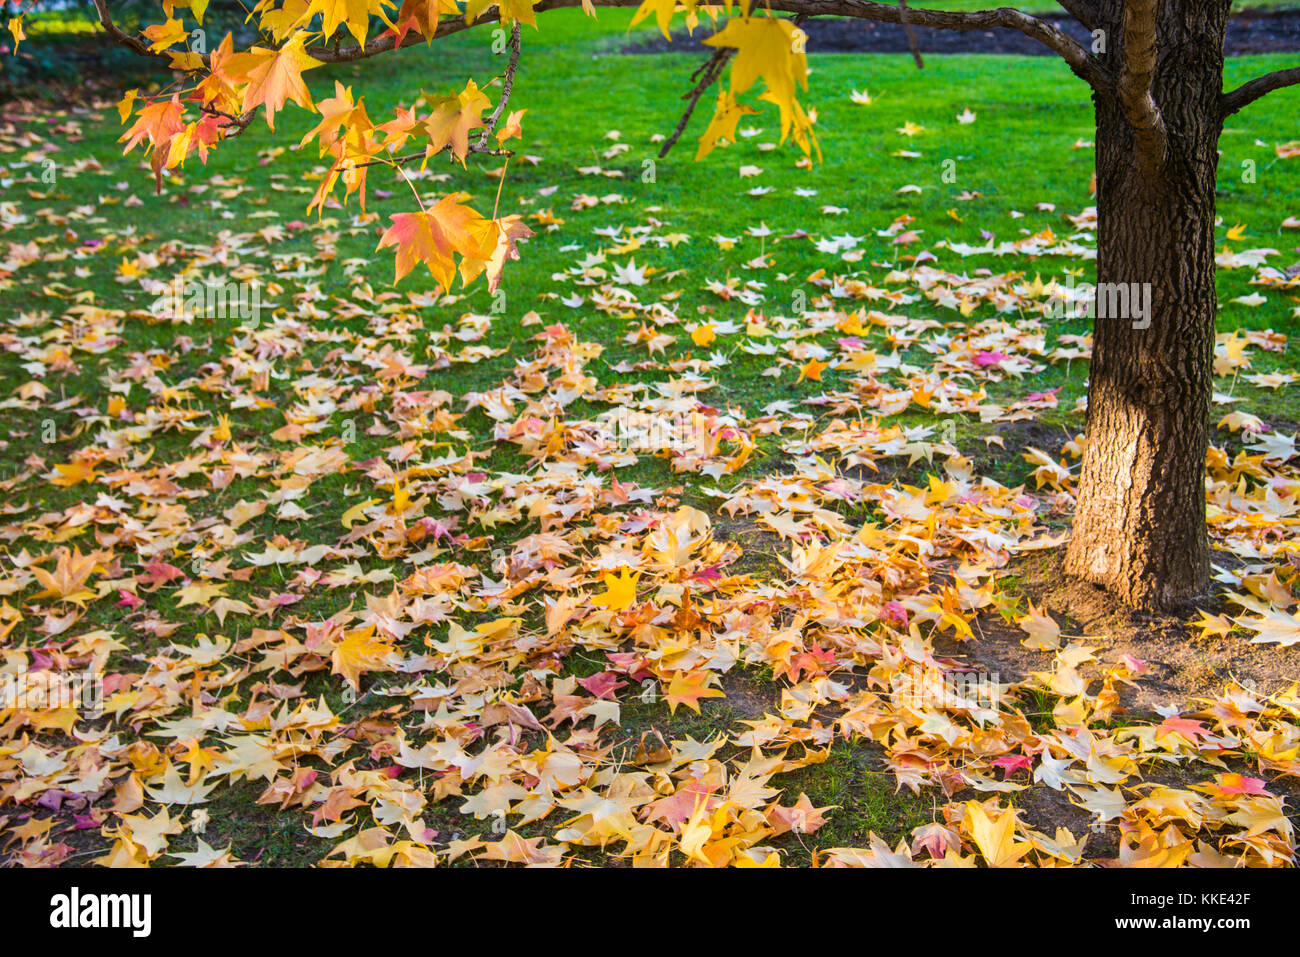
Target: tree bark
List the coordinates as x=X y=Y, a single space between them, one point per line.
x=1139 y=527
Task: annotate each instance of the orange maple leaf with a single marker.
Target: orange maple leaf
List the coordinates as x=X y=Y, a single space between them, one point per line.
x=453 y=118
x=274 y=77
x=357 y=653
x=689 y=687
x=433 y=236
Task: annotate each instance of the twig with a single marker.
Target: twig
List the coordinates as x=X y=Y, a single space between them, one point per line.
x=398 y=161
x=710 y=70
x=911 y=35
x=118 y=34
x=509 y=84
x=237 y=124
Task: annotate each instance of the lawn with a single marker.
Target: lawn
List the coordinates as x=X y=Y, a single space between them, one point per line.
x=357 y=572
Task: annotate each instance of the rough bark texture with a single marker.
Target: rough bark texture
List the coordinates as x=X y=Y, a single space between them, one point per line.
x=1139 y=527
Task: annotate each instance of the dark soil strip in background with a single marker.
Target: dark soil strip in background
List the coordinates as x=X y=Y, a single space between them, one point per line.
x=1249 y=31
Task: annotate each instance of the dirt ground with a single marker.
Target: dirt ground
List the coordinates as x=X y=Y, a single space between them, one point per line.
x=1184 y=666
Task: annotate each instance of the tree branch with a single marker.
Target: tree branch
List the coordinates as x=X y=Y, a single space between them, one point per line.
x=1085 y=11
x=509 y=84
x=1135 y=80
x=1260 y=86
x=1083 y=65
x=1045 y=33
x=707 y=73
x=911 y=36
x=135 y=44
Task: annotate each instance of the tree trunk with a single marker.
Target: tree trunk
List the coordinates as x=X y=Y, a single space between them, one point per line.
x=1139 y=527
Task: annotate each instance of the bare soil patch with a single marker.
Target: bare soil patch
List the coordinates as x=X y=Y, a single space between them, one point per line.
x=1184 y=665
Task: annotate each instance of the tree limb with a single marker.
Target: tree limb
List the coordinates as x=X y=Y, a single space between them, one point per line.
x=1085 y=11
x=1135 y=80
x=509 y=84
x=1003 y=18
x=708 y=73
x=911 y=36
x=135 y=44
x=1045 y=33
x=1007 y=18
x=1250 y=92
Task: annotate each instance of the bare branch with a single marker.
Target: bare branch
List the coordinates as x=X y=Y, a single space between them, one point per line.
x=1260 y=86
x=135 y=44
x=1135 y=80
x=911 y=36
x=708 y=73
x=234 y=124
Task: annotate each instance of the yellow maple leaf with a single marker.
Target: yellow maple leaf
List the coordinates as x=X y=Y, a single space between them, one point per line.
x=357 y=512
x=511 y=10
x=200 y=593
x=355 y=14
x=454 y=117
x=697 y=832
x=1043 y=631
x=662 y=10
x=401 y=498
x=196 y=7
x=74 y=473
x=765 y=49
x=71 y=572
x=620 y=591
x=995 y=837
x=164 y=35
x=722 y=127
x=274 y=77
x=359 y=652
x=1213 y=626
x=770 y=49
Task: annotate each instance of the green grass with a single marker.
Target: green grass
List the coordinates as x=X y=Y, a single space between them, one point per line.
x=867 y=799
x=1020 y=153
